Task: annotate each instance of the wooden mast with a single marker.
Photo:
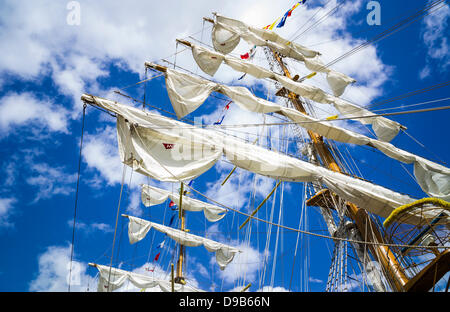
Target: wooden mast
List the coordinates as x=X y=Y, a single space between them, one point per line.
x=180 y=279
x=362 y=220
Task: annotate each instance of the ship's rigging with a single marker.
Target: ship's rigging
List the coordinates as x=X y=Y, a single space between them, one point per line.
x=346 y=202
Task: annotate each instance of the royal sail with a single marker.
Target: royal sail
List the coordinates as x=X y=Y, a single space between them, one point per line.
x=227 y=32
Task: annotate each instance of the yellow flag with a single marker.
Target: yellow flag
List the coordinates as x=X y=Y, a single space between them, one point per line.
x=271 y=26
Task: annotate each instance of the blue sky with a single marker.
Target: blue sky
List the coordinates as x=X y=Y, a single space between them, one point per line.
x=45 y=66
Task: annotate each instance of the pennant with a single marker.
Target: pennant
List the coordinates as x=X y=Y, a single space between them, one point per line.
x=283 y=19
x=271 y=26
x=171 y=204
x=168 y=145
x=171 y=220
x=157 y=257
x=250 y=54
x=242 y=76
x=219 y=121
x=161 y=245
x=245 y=56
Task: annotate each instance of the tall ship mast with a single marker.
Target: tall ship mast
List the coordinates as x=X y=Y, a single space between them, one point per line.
x=397 y=242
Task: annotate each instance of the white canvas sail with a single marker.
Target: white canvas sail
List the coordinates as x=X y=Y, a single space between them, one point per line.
x=140 y=146
x=153 y=196
x=187 y=93
x=138 y=229
x=209 y=61
x=227 y=32
x=111 y=279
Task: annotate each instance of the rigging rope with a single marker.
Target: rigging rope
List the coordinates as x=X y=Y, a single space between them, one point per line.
x=115 y=228
x=76 y=195
x=390 y=31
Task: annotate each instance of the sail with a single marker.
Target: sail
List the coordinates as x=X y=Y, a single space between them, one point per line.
x=187 y=93
x=141 y=138
x=153 y=196
x=209 y=61
x=111 y=279
x=138 y=229
x=227 y=32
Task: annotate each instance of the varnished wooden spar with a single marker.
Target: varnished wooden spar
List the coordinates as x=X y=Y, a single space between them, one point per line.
x=180 y=279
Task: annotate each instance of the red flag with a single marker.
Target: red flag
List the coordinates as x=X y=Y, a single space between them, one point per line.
x=168 y=146
x=171 y=204
x=157 y=256
x=245 y=56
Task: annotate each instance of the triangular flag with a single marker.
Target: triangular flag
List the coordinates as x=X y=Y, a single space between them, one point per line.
x=157 y=257
x=219 y=121
x=161 y=245
x=168 y=145
x=245 y=56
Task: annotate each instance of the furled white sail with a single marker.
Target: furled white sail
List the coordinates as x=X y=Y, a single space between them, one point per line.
x=227 y=32
x=187 y=93
x=153 y=196
x=209 y=61
x=138 y=229
x=141 y=138
x=111 y=279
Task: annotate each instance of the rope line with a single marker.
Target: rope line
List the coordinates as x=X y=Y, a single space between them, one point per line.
x=76 y=195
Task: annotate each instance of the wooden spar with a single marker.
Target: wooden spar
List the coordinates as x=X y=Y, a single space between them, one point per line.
x=246 y=287
x=231 y=172
x=229 y=175
x=172 y=280
x=260 y=205
x=362 y=220
x=180 y=279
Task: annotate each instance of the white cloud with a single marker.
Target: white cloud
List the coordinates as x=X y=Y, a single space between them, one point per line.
x=315 y=280
x=26 y=110
x=53 y=274
x=245 y=264
x=100 y=152
x=50 y=181
x=272 y=289
x=435 y=37
x=6 y=208
x=92 y=227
